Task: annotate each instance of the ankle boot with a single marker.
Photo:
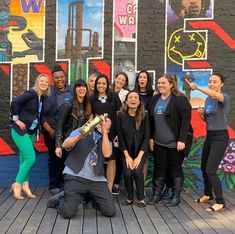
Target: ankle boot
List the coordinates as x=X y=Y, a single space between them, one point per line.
x=156 y=197
x=177 y=189
x=16 y=190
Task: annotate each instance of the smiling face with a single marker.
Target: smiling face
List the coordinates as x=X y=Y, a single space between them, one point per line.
x=133 y=100
x=59 y=80
x=120 y=81
x=43 y=84
x=81 y=91
x=164 y=86
x=215 y=83
x=102 y=86
x=143 y=81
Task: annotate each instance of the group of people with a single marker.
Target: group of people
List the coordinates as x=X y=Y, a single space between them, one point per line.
x=89 y=167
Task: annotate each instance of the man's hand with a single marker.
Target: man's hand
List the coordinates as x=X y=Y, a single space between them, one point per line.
x=58 y=152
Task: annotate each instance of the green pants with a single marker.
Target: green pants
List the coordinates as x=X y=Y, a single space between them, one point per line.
x=27 y=154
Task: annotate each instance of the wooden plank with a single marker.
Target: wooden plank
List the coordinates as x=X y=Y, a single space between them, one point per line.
x=144 y=220
x=129 y=217
x=103 y=224
x=23 y=216
x=48 y=221
x=90 y=222
x=226 y=217
x=6 y=205
x=11 y=215
x=38 y=213
x=185 y=221
x=118 y=224
x=4 y=195
x=170 y=219
x=193 y=215
x=76 y=223
x=208 y=217
x=61 y=225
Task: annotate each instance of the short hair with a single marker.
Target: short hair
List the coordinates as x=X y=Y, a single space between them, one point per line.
x=176 y=6
x=57 y=68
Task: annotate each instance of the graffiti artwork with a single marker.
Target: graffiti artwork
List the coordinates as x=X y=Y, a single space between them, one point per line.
x=79 y=34
x=124 y=40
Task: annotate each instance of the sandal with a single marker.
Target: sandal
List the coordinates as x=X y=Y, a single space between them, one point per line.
x=204 y=199
x=127 y=203
x=141 y=204
x=214 y=209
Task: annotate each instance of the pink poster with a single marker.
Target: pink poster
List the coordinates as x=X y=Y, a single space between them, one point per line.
x=125 y=18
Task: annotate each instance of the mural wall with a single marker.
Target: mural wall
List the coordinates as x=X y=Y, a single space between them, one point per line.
x=190 y=38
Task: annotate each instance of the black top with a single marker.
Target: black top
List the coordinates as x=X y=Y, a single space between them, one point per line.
x=68 y=120
x=25 y=107
x=111 y=106
x=128 y=134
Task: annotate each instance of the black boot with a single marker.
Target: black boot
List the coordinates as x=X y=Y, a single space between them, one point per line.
x=177 y=189
x=167 y=193
x=158 y=187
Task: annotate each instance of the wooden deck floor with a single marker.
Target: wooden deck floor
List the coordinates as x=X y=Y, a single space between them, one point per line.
x=33 y=216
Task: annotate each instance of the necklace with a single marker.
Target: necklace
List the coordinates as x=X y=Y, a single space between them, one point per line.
x=102 y=99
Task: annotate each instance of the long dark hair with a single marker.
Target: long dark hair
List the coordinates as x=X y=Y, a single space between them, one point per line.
x=149 y=88
x=126 y=83
x=139 y=115
x=96 y=93
x=86 y=101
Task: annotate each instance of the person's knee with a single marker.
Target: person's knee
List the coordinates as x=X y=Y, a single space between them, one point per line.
x=67 y=213
x=109 y=212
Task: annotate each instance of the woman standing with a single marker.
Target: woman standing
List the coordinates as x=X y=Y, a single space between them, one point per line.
x=104 y=101
x=215 y=114
x=133 y=133
x=119 y=87
x=26 y=112
x=170 y=115
x=144 y=86
x=73 y=115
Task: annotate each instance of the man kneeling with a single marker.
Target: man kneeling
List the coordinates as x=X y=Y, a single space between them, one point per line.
x=84 y=173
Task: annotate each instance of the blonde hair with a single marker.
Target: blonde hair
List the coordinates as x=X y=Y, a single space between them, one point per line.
x=35 y=87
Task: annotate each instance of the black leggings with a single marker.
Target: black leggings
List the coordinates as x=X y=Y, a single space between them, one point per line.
x=212 y=154
x=167 y=162
x=136 y=174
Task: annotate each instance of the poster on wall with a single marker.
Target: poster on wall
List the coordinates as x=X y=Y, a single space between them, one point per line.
x=183 y=45
x=22 y=27
x=79 y=34
x=124 y=38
